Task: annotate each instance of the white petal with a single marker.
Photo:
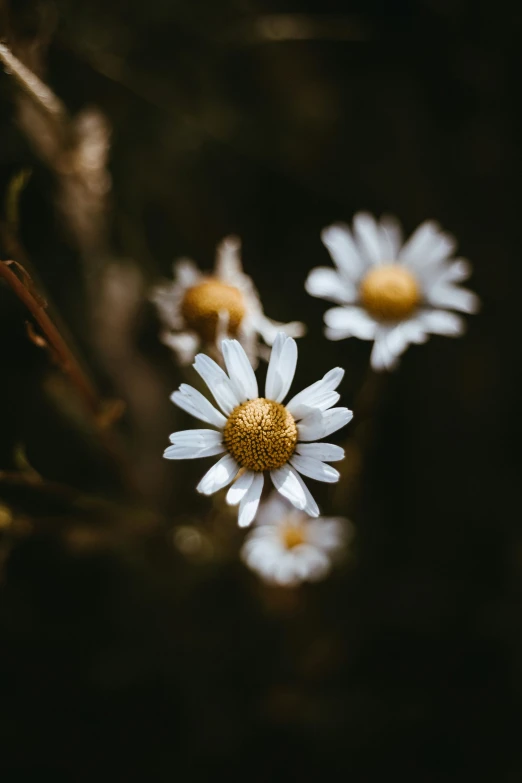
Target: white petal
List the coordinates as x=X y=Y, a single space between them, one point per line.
x=326 y=283
x=454 y=298
x=240 y=487
x=329 y=533
x=273 y=510
x=285 y=572
x=442 y=322
x=326 y=452
x=186 y=272
x=196 y=438
x=228 y=265
x=184 y=451
x=281 y=368
x=391 y=238
x=392 y=341
x=345 y=253
x=240 y=370
x=318 y=395
x=317 y=564
x=250 y=501
x=320 y=424
x=427 y=246
x=418 y=245
x=184 y=345
x=217 y=381
x=382 y=357
x=269 y=329
x=367 y=234
x=456 y=271
x=313 y=468
x=218 y=476
x=193 y=444
x=288 y=482
x=192 y=401
x=349 y=322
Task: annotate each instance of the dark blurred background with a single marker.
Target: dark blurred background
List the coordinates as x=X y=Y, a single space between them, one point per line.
x=129 y=652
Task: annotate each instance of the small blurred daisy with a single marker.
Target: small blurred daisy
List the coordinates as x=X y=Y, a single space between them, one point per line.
x=198 y=309
x=392 y=293
x=261 y=434
x=287 y=547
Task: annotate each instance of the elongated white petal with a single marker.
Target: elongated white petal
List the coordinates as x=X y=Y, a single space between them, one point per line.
x=366 y=232
x=329 y=533
x=269 y=329
x=242 y=376
x=184 y=451
x=345 y=322
x=311 y=507
x=273 y=511
x=228 y=267
x=250 y=501
x=427 y=247
x=318 y=395
x=392 y=341
x=391 y=238
x=193 y=402
x=192 y=444
x=442 y=322
x=196 y=438
x=184 y=345
x=217 y=381
x=288 y=482
x=326 y=452
x=453 y=298
x=326 y=283
x=455 y=271
x=218 y=476
x=419 y=243
x=281 y=368
x=313 y=468
x=382 y=358
x=240 y=487
x=345 y=253
x=322 y=403
x=320 y=424
x=186 y=272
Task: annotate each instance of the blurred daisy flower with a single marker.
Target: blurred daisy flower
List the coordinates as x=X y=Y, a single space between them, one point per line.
x=392 y=293
x=287 y=547
x=198 y=309
x=260 y=434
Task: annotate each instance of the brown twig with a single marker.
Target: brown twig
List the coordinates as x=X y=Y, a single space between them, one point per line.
x=34 y=87
x=66 y=359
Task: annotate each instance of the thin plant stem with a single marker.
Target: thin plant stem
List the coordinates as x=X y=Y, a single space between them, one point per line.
x=34 y=87
x=66 y=359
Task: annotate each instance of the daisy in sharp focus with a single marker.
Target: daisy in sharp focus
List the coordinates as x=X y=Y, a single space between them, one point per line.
x=260 y=434
x=391 y=292
x=198 y=309
x=287 y=547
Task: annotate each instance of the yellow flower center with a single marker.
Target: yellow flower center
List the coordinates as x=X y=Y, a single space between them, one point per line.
x=293 y=536
x=390 y=292
x=260 y=434
x=203 y=303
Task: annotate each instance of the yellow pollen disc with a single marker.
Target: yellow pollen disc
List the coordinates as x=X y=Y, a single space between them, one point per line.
x=260 y=434
x=203 y=302
x=293 y=536
x=390 y=293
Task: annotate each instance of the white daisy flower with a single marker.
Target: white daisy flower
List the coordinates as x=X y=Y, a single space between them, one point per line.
x=260 y=434
x=287 y=547
x=392 y=293
x=198 y=309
